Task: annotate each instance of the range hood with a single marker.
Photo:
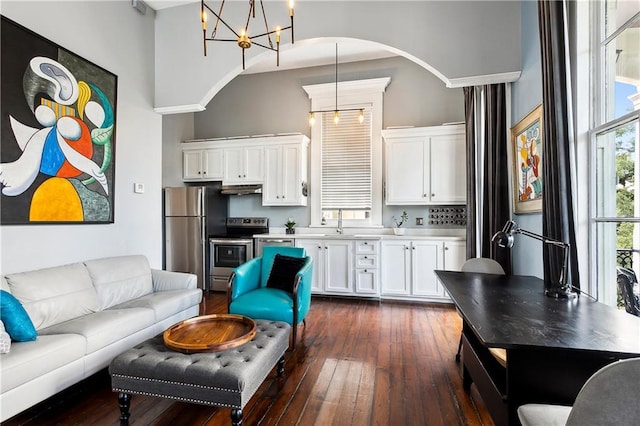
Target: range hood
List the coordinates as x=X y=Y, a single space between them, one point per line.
x=241 y=189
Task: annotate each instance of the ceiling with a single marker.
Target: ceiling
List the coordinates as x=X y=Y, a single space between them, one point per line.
x=301 y=55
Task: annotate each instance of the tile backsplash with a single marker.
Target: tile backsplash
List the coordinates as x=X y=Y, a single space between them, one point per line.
x=448 y=216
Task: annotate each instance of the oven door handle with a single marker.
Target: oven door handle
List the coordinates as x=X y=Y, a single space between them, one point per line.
x=226 y=241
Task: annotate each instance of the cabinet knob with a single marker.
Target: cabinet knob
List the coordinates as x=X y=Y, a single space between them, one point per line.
x=365 y=270
x=406 y=248
x=446 y=248
x=277 y=196
x=424 y=195
x=365 y=243
x=239 y=176
x=433 y=195
x=199 y=172
x=319 y=247
x=244 y=175
x=283 y=197
x=413 y=248
x=204 y=173
x=365 y=257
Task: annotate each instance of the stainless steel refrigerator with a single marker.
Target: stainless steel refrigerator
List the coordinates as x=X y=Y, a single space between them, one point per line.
x=191 y=215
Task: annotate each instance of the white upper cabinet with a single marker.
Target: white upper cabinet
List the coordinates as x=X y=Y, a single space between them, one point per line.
x=285 y=174
x=243 y=165
x=201 y=164
x=425 y=165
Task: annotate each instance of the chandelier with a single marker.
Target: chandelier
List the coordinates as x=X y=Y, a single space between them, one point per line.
x=336 y=111
x=244 y=40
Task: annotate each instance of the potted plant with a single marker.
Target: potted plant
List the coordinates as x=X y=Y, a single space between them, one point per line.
x=398 y=229
x=290 y=226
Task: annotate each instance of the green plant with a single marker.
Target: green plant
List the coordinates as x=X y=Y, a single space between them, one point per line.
x=290 y=224
x=401 y=220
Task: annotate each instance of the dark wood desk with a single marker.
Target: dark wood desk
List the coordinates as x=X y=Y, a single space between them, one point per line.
x=553 y=346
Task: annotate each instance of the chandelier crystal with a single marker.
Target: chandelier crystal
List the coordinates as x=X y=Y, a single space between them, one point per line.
x=243 y=37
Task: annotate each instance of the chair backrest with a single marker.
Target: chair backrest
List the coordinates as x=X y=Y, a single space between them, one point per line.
x=609 y=396
x=483 y=265
x=269 y=253
x=626 y=281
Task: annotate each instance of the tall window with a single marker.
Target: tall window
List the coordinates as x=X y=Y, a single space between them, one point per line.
x=347 y=173
x=615 y=139
x=346 y=158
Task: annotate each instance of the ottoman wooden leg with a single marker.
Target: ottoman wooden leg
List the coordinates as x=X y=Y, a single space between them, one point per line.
x=236 y=416
x=281 y=367
x=124 y=400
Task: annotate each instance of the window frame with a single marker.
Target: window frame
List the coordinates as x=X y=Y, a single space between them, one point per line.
x=593 y=87
x=351 y=94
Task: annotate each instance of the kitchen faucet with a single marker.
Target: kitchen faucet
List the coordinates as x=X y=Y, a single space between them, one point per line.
x=339 y=229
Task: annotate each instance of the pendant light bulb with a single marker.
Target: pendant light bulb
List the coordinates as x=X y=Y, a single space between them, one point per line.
x=361 y=116
x=336 y=117
x=312 y=119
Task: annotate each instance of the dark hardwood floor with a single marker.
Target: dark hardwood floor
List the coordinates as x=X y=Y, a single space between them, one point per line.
x=357 y=363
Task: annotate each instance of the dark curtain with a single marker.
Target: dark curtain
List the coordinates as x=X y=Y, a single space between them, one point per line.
x=493 y=204
x=557 y=133
x=469 y=116
x=496 y=206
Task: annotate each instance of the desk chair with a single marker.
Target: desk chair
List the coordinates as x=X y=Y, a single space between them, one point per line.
x=275 y=286
x=608 y=398
x=626 y=282
x=486 y=266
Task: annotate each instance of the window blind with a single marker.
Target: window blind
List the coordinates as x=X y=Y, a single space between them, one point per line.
x=346 y=161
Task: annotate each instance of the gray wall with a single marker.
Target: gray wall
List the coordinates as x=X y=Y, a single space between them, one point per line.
x=276 y=103
x=116 y=37
x=527 y=95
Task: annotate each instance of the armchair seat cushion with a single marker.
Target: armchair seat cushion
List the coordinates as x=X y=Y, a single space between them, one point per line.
x=265 y=303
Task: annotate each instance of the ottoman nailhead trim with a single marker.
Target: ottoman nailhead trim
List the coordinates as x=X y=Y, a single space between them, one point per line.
x=171 y=382
x=179 y=398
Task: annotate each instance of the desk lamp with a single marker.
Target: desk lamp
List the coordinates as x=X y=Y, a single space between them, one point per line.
x=562 y=290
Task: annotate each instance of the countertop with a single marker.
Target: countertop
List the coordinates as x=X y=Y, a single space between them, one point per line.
x=368 y=234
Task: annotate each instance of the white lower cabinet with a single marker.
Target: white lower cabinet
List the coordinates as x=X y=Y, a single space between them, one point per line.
x=407 y=269
x=332 y=265
x=367 y=267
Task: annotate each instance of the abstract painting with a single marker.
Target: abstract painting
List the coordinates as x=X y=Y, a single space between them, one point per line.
x=57 y=146
x=526 y=137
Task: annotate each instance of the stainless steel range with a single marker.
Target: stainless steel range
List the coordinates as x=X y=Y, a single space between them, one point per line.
x=233 y=248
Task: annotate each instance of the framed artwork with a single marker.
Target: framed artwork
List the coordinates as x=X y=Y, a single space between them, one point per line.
x=58 y=121
x=527 y=143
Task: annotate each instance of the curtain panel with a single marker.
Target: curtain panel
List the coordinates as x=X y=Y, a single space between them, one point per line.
x=487 y=158
x=558 y=219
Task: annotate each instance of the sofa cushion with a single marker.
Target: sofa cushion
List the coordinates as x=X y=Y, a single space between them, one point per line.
x=19 y=325
x=54 y=295
x=30 y=360
x=120 y=279
x=165 y=303
x=105 y=327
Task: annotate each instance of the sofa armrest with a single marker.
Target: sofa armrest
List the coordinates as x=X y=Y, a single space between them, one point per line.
x=303 y=281
x=169 y=280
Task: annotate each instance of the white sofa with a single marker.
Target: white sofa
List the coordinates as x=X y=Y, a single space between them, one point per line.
x=86 y=314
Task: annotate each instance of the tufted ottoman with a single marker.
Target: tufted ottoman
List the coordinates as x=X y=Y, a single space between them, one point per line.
x=227 y=378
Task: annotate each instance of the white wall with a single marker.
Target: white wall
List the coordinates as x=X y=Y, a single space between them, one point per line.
x=113 y=35
x=457 y=39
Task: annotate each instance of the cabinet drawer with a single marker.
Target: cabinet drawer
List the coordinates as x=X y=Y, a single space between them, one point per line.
x=366 y=261
x=366 y=247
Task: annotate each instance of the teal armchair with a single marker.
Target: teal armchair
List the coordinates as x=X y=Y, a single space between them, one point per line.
x=249 y=294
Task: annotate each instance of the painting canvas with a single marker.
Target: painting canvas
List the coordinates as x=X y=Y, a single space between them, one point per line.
x=526 y=137
x=57 y=152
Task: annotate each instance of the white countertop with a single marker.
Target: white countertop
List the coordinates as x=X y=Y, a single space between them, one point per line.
x=371 y=234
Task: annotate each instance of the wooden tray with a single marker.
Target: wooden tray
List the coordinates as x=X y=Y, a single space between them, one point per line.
x=210 y=333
